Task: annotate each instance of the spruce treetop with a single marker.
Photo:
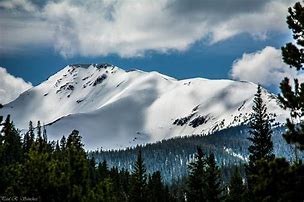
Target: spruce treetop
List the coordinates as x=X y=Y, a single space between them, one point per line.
x=292 y=98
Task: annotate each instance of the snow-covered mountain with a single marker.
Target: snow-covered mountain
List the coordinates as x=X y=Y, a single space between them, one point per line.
x=113 y=108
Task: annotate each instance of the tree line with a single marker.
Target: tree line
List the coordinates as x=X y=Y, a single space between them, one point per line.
x=172 y=156
x=37 y=169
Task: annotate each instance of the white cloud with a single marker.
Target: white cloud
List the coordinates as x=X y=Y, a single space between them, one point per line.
x=130 y=28
x=18 y=4
x=257 y=24
x=18 y=35
x=11 y=87
x=22 y=26
x=264 y=67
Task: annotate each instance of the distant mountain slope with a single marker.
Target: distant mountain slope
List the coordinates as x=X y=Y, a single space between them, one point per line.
x=171 y=157
x=113 y=108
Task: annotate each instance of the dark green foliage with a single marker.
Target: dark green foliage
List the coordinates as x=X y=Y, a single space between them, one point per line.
x=139 y=180
x=270 y=178
x=39 y=131
x=119 y=180
x=53 y=171
x=78 y=163
x=124 y=185
x=293 y=55
x=178 y=188
x=44 y=135
x=277 y=180
x=27 y=143
x=102 y=170
x=156 y=191
x=293 y=98
x=93 y=177
x=10 y=140
x=260 y=137
x=62 y=171
x=10 y=158
x=35 y=175
x=31 y=131
x=102 y=192
x=196 y=179
x=237 y=188
x=260 y=130
x=261 y=145
x=204 y=180
x=39 y=142
x=283 y=178
x=213 y=187
x=28 y=138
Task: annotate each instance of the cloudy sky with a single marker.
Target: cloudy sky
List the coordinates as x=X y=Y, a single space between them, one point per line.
x=234 y=39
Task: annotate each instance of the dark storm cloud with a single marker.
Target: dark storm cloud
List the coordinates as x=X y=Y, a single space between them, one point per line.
x=226 y=7
x=39 y=3
x=215 y=9
x=130 y=28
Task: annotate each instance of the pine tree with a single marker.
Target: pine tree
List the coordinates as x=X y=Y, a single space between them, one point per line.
x=156 y=188
x=139 y=180
x=39 y=130
x=10 y=158
x=35 y=175
x=11 y=146
x=31 y=131
x=26 y=143
x=278 y=181
x=102 y=170
x=44 y=136
x=28 y=139
x=60 y=174
x=261 y=147
x=213 y=185
x=39 y=144
x=45 y=145
x=196 y=178
x=104 y=191
x=63 y=143
x=292 y=98
x=92 y=172
x=114 y=175
x=237 y=188
x=78 y=164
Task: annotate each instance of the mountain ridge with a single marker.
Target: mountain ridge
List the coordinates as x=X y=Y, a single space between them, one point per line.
x=113 y=108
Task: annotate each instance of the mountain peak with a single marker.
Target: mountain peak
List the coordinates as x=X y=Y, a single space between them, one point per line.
x=85 y=66
x=113 y=108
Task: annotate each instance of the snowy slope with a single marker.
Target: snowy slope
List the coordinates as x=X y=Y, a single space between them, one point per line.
x=113 y=108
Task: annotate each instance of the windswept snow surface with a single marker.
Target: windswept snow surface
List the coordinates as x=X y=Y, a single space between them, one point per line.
x=115 y=109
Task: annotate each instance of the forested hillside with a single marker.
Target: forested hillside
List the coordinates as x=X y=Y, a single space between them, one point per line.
x=171 y=157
